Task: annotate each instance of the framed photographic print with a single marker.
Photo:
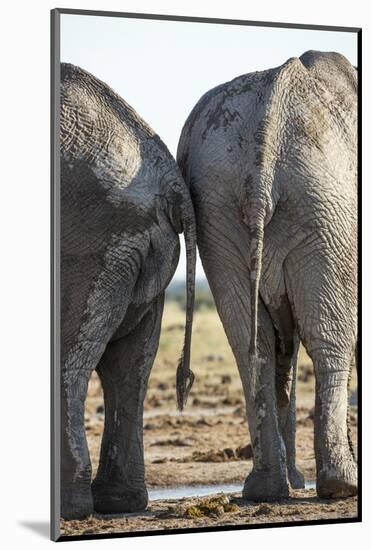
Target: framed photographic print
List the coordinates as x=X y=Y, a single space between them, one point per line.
x=205 y=274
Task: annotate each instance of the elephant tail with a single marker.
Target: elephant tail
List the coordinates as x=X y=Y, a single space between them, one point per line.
x=184 y=375
x=256 y=226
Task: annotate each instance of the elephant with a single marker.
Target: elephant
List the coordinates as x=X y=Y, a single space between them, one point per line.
x=123 y=205
x=271 y=161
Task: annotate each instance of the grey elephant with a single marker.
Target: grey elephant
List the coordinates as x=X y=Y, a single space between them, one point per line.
x=123 y=204
x=271 y=161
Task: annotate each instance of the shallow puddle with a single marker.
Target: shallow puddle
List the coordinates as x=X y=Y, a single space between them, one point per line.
x=190 y=412
x=182 y=491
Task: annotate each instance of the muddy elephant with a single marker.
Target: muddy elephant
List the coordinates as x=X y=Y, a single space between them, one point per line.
x=123 y=204
x=271 y=161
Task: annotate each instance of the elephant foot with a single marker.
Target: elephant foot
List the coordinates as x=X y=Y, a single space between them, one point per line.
x=296 y=478
x=337 y=484
x=76 y=502
x=265 y=486
x=108 y=501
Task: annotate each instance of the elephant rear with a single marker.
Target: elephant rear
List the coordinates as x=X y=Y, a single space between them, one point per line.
x=123 y=204
x=271 y=160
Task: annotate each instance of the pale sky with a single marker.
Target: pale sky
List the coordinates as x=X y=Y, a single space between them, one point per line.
x=162 y=68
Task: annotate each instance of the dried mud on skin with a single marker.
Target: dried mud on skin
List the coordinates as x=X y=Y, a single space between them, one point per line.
x=209 y=443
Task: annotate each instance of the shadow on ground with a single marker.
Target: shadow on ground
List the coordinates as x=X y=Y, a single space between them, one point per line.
x=42 y=528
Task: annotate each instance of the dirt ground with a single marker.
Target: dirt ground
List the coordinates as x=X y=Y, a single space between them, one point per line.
x=209 y=442
x=303 y=505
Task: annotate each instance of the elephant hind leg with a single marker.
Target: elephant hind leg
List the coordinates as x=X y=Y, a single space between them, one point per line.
x=268 y=480
x=336 y=466
x=326 y=313
x=287 y=416
x=287 y=347
x=76 y=497
x=124 y=369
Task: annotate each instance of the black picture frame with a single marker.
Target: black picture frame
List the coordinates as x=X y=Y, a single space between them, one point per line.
x=55 y=269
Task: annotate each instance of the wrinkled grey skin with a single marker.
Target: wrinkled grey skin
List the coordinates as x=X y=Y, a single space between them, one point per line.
x=270 y=158
x=123 y=204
